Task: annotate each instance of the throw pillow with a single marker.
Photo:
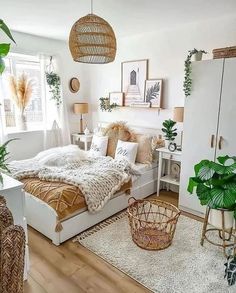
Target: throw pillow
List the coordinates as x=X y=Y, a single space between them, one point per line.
x=98 y=146
x=144 y=154
x=126 y=150
x=117 y=131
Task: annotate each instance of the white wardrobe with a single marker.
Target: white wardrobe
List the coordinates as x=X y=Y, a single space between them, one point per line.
x=209 y=121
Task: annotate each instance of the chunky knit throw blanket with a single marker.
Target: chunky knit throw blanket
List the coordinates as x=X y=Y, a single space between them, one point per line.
x=98 y=178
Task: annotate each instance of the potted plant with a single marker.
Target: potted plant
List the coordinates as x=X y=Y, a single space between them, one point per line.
x=3 y=158
x=215 y=185
x=197 y=54
x=170 y=132
x=4 y=48
x=106 y=106
x=54 y=83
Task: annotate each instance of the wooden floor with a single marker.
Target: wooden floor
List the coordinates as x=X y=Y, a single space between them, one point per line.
x=71 y=268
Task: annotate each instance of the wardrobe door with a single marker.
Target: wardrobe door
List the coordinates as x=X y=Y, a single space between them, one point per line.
x=227 y=120
x=200 y=126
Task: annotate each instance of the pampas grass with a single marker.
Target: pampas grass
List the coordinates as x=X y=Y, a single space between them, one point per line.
x=21 y=89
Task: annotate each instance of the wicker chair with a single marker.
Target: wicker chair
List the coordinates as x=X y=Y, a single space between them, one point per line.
x=12 y=252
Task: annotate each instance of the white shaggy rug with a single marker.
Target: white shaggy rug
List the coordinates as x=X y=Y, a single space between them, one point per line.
x=184 y=267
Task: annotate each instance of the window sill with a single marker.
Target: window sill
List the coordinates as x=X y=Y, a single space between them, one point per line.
x=15 y=132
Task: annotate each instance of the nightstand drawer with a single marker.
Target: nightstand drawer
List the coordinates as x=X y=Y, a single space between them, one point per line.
x=174 y=157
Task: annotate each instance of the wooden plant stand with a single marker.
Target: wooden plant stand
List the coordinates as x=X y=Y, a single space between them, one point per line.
x=225 y=235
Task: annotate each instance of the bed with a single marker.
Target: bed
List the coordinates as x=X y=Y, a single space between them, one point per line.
x=49 y=207
x=44 y=218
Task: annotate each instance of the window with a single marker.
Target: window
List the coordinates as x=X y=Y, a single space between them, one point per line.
x=15 y=65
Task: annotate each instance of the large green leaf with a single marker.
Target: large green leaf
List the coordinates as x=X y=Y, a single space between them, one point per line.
x=203 y=193
x=2 y=65
x=222 y=169
x=6 y=30
x=222 y=198
x=203 y=170
x=193 y=182
x=4 y=49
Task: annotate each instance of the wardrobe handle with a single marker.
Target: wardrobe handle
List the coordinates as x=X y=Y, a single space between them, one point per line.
x=220 y=142
x=212 y=140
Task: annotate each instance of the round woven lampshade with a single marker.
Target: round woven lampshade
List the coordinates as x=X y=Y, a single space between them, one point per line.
x=92 y=40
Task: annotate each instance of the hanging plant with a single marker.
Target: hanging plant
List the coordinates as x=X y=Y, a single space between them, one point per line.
x=54 y=83
x=187 y=86
x=106 y=106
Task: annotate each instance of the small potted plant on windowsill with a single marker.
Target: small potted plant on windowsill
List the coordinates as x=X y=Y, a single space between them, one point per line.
x=170 y=134
x=215 y=185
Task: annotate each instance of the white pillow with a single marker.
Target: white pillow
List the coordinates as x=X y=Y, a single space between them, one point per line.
x=126 y=150
x=98 y=146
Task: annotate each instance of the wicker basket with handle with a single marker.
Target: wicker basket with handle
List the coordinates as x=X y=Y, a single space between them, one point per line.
x=152 y=222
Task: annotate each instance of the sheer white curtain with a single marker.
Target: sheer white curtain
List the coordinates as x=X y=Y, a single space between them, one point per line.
x=3 y=135
x=56 y=128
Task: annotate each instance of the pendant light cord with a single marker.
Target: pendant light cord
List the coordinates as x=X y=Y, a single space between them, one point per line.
x=91 y=6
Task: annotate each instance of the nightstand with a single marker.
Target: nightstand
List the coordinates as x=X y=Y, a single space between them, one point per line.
x=82 y=137
x=166 y=159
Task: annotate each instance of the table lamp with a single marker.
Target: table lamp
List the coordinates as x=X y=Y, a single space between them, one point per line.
x=81 y=108
x=179 y=117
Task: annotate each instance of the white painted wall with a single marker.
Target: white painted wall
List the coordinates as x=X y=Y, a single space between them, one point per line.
x=166 y=51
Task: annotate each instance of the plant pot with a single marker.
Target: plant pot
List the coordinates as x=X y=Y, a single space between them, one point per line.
x=167 y=142
x=21 y=122
x=197 y=56
x=215 y=218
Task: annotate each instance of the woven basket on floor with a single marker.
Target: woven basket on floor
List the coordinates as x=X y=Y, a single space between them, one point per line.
x=152 y=222
x=228 y=52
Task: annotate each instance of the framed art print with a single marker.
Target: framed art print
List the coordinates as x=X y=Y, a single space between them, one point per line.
x=133 y=76
x=117 y=98
x=153 y=92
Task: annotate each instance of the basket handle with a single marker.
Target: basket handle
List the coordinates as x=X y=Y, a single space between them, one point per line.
x=131 y=200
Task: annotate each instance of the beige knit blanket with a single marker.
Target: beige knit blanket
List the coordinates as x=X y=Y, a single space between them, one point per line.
x=97 y=178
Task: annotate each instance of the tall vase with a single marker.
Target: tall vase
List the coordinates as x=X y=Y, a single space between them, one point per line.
x=21 y=121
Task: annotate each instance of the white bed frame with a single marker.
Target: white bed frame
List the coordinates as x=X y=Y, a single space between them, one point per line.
x=43 y=218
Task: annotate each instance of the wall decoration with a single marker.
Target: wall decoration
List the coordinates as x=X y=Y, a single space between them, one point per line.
x=133 y=76
x=153 y=92
x=74 y=85
x=117 y=98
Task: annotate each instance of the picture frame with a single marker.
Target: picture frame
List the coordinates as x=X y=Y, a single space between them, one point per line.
x=133 y=76
x=153 y=92
x=117 y=98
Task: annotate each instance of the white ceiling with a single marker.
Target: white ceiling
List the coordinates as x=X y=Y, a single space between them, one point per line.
x=54 y=18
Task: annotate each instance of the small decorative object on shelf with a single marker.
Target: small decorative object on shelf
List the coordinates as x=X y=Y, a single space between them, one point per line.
x=187 y=86
x=106 y=106
x=214 y=183
x=4 y=48
x=170 y=132
x=172 y=146
x=117 y=98
x=140 y=105
x=153 y=92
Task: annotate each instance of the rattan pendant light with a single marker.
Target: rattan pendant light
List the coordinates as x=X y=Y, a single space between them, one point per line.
x=92 y=40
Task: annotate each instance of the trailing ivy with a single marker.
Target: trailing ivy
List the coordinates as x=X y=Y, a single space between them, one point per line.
x=106 y=106
x=187 y=86
x=54 y=83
